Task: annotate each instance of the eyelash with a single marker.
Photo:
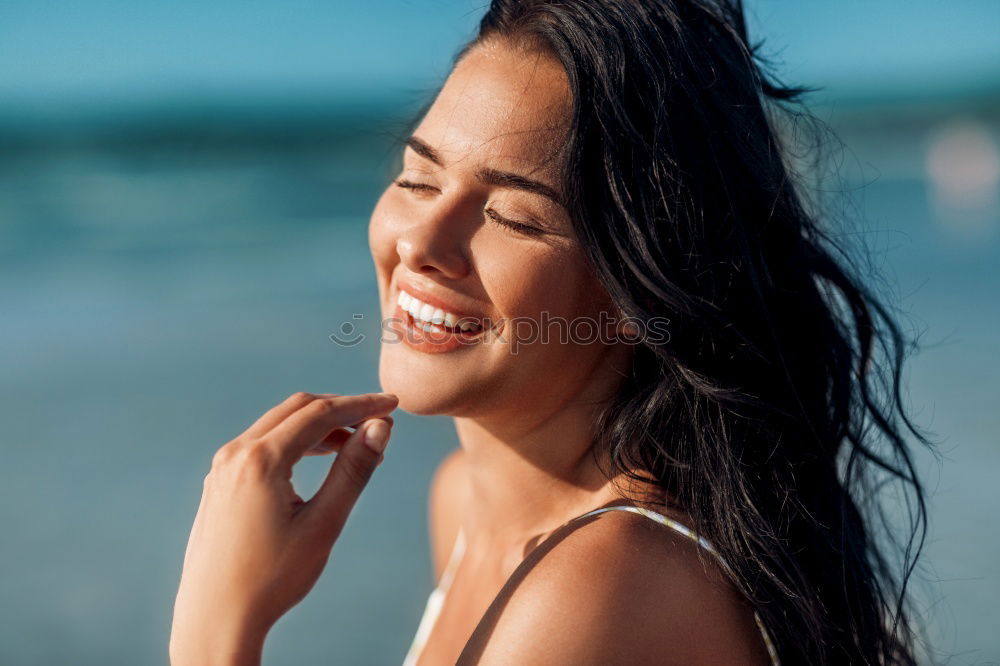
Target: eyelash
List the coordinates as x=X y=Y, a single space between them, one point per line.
x=521 y=227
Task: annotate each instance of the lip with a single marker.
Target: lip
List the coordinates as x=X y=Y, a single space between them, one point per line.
x=430 y=342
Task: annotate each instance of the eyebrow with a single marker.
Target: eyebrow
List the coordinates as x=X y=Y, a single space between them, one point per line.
x=489 y=176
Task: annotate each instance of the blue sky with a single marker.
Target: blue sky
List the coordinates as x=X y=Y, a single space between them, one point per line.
x=67 y=51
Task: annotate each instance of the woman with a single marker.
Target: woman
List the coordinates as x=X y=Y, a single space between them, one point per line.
x=625 y=492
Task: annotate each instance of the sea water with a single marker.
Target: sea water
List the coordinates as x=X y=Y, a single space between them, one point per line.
x=160 y=291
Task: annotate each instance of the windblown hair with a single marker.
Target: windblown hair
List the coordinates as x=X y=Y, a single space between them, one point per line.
x=774 y=413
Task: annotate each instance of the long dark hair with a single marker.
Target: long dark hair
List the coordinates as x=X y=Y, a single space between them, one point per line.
x=774 y=413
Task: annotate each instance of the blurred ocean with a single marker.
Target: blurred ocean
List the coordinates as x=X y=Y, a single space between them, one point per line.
x=166 y=276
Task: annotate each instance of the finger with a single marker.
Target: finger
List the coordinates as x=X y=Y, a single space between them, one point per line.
x=388 y=419
x=329 y=444
x=348 y=476
x=335 y=440
x=280 y=412
x=306 y=427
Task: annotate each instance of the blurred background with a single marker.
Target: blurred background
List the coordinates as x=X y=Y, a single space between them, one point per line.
x=184 y=193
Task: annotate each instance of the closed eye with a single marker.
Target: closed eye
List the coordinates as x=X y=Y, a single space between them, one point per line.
x=413 y=186
x=520 y=227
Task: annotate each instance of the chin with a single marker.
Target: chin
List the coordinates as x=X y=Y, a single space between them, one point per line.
x=421 y=388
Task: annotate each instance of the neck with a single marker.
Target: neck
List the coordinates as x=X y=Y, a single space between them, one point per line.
x=529 y=476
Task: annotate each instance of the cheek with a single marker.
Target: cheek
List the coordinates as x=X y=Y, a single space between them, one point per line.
x=382 y=239
x=531 y=284
x=377 y=227
x=525 y=280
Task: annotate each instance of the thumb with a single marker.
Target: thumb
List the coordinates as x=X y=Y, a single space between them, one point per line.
x=349 y=474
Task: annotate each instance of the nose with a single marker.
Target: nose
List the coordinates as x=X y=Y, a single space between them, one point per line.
x=436 y=241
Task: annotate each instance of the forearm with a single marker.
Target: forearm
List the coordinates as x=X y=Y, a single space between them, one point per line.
x=211 y=647
x=239 y=656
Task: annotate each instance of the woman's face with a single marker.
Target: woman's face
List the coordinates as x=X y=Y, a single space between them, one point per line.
x=472 y=235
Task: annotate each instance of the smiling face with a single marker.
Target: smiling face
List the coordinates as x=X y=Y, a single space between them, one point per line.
x=470 y=238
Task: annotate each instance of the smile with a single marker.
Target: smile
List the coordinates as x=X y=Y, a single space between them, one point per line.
x=432 y=319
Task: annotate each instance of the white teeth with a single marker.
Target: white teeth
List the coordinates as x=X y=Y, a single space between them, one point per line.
x=430 y=318
x=426 y=312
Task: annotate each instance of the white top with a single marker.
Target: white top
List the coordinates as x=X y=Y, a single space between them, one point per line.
x=434 y=602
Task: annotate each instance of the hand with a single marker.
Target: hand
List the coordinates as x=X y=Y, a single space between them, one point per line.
x=257 y=548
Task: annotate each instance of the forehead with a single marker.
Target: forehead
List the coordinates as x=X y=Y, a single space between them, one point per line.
x=501 y=104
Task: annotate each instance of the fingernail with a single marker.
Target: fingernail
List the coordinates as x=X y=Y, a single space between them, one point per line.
x=377 y=436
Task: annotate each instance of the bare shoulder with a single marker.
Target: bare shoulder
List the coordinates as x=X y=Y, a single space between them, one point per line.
x=617 y=588
x=447 y=496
